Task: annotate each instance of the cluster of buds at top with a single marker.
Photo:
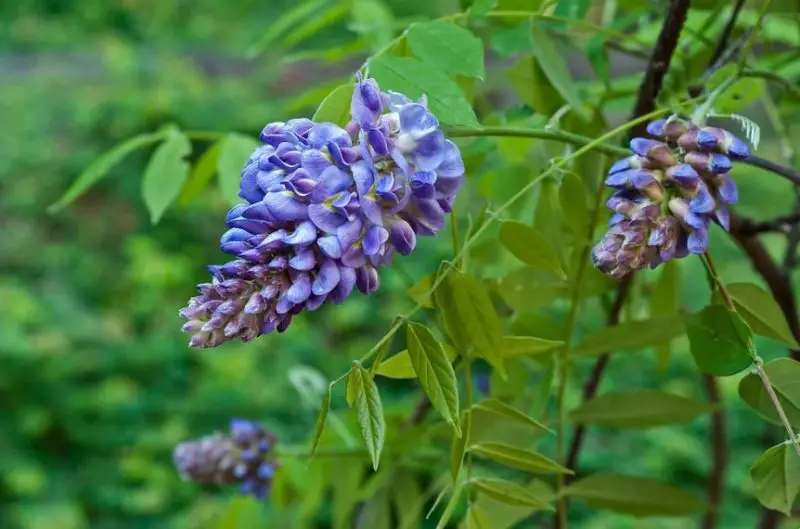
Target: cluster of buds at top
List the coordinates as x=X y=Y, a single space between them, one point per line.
x=667 y=194
x=324 y=207
x=244 y=457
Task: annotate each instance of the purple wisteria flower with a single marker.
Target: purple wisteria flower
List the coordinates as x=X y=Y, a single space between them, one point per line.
x=243 y=456
x=668 y=193
x=324 y=207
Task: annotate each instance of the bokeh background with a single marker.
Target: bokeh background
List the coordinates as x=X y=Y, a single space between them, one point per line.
x=97 y=384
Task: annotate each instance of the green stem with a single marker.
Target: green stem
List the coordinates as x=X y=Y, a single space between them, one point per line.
x=752 y=38
x=757 y=360
x=468 y=425
x=543 y=134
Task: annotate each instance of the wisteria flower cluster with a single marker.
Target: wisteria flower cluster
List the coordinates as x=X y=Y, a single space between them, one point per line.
x=667 y=194
x=324 y=208
x=244 y=457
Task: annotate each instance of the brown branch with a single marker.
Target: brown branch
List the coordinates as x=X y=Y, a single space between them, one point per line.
x=719 y=454
x=659 y=61
x=786 y=172
x=784 y=224
x=719 y=51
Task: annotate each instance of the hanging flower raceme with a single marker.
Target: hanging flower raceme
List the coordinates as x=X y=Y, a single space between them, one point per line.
x=243 y=456
x=667 y=194
x=325 y=207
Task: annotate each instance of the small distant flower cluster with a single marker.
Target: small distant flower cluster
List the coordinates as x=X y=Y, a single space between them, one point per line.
x=325 y=207
x=668 y=192
x=244 y=457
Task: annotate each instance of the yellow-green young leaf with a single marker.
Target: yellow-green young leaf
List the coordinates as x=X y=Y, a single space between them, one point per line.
x=102 y=165
x=555 y=67
x=350 y=387
x=445 y=46
x=752 y=391
x=459 y=444
x=518 y=458
x=504 y=516
x=234 y=153
x=574 y=203
x=420 y=291
x=508 y=492
x=451 y=506
x=469 y=316
x=635 y=496
x=776 y=476
x=513 y=346
x=434 y=371
x=477 y=518
x=288 y=19
x=165 y=174
x=325 y=407
x=541 y=397
x=666 y=301
x=377 y=513
x=760 y=310
x=399 y=366
x=740 y=95
x=408 y=499
x=367 y=403
x=201 y=174
x=638 y=409
x=719 y=341
x=335 y=108
x=415 y=78
x=631 y=336
x=530 y=247
x=532 y=87
x=506 y=411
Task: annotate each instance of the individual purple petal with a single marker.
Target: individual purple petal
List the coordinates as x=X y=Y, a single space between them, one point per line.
x=378 y=141
x=703 y=202
x=354 y=257
x=366 y=104
x=235 y=212
x=300 y=289
x=429 y=151
x=303 y=260
x=325 y=217
x=323 y=133
x=452 y=165
x=367 y=279
x=402 y=235
x=364 y=177
x=417 y=120
x=330 y=246
x=656 y=128
x=734 y=147
x=422 y=184
x=285 y=207
x=347 y=282
x=327 y=279
x=252 y=226
x=727 y=189
x=374 y=239
x=683 y=174
x=697 y=243
x=349 y=233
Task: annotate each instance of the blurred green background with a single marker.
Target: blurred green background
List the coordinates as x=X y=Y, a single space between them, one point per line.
x=97 y=384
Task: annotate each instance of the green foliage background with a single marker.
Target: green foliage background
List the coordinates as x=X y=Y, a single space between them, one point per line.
x=96 y=382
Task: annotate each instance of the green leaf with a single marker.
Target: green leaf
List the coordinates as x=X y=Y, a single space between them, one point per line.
x=345 y=481
x=322 y=19
x=776 y=476
x=202 y=173
x=518 y=458
x=335 y=108
x=630 y=336
x=458 y=445
x=377 y=512
x=288 y=19
x=415 y=78
x=530 y=83
x=573 y=9
x=468 y=313
x=716 y=341
x=239 y=512
x=575 y=204
x=101 y=166
x=322 y=418
x=408 y=499
x=739 y=95
x=369 y=409
x=479 y=8
x=399 y=366
x=350 y=388
x=555 y=67
x=236 y=150
x=477 y=518
x=530 y=247
x=508 y=492
x=761 y=312
x=506 y=411
x=434 y=372
x=782 y=373
x=638 y=409
x=515 y=346
x=666 y=301
x=165 y=174
x=513 y=40
x=447 y=47
x=635 y=496
x=451 y=507
x=374 y=22
x=420 y=291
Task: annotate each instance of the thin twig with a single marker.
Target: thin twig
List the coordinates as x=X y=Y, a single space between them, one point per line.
x=726 y=33
x=783 y=224
x=719 y=454
x=786 y=172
